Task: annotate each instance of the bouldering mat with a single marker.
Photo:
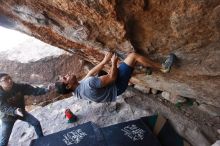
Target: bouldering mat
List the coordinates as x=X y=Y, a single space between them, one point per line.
x=146 y=131
x=83 y=135
x=132 y=133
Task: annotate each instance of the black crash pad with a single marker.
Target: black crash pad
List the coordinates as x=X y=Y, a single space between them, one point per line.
x=147 y=131
x=132 y=133
x=83 y=135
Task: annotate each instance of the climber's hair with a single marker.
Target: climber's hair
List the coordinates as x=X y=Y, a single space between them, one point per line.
x=61 y=88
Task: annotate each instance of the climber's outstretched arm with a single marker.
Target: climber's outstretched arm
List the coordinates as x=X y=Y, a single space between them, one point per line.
x=112 y=75
x=94 y=71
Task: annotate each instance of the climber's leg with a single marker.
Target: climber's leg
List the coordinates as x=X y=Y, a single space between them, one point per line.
x=126 y=68
x=134 y=58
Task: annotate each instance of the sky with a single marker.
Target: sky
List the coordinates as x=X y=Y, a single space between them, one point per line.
x=20 y=47
x=10 y=38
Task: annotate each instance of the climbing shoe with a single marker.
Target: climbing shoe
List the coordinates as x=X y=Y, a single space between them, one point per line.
x=166 y=66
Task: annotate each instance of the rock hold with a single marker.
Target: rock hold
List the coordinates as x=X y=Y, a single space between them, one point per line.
x=143 y=89
x=214 y=111
x=173 y=98
x=154 y=91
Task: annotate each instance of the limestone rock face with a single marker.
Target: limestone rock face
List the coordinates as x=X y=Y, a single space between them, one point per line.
x=154 y=28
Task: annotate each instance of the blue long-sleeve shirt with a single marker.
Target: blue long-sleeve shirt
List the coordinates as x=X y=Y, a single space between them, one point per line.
x=10 y=101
